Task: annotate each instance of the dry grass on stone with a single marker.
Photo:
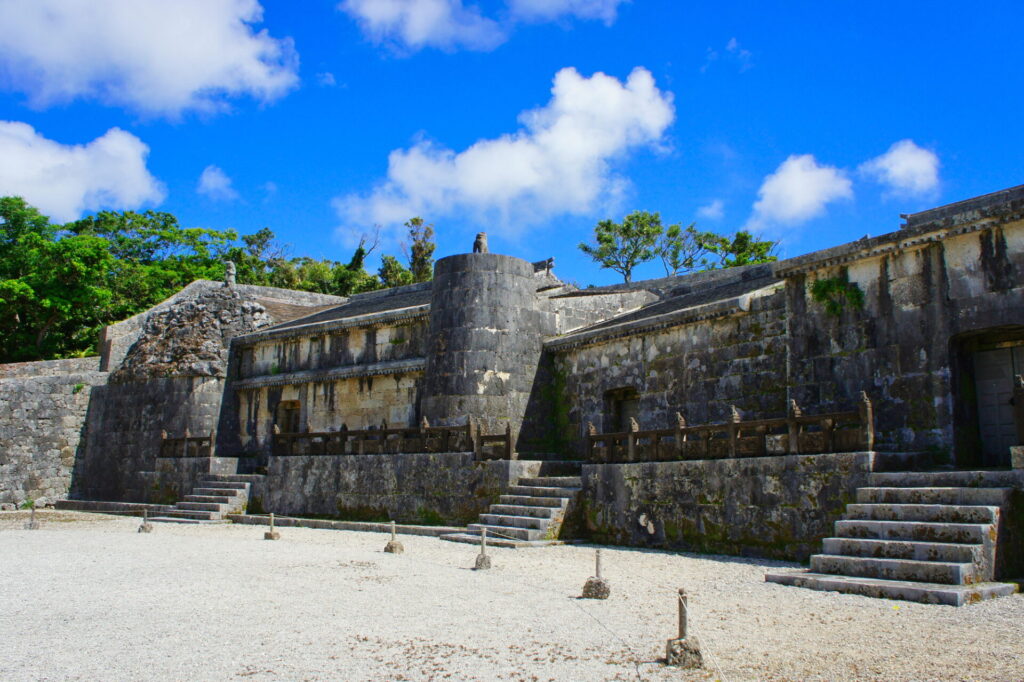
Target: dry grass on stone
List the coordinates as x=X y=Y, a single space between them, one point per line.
x=87 y=598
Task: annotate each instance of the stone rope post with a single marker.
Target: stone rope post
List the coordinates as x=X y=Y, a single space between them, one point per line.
x=146 y=526
x=596 y=586
x=393 y=546
x=271 y=534
x=482 y=560
x=683 y=651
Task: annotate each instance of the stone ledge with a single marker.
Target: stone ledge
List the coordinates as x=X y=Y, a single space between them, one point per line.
x=350 y=372
x=363 y=526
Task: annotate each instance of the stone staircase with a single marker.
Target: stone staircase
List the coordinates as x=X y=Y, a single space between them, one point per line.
x=530 y=515
x=918 y=536
x=215 y=496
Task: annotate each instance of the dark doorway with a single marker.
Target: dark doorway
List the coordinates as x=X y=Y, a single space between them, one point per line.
x=986 y=421
x=289 y=416
x=620 y=405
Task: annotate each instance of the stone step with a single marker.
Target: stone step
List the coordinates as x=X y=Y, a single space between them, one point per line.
x=474 y=539
x=895 y=569
x=926 y=593
x=553 y=481
x=541 y=491
x=963 y=533
x=524 y=510
x=183 y=520
x=235 y=478
x=529 y=501
x=507 y=532
x=210 y=499
x=515 y=521
x=904 y=549
x=995 y=497
x=192 y=514
x=942 y=479
x=201 y=506
x=240 y=486
x=946 y=513
x=218 y=492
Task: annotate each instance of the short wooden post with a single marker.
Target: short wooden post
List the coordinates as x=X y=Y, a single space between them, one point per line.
x=794 y=427
x=682 y=613
x=828 y=430
x=867 y=419
x=271 y=534
x=734 y=430
x=483 y=561
x=508 y=441
x=596 y=586
x=683 y=651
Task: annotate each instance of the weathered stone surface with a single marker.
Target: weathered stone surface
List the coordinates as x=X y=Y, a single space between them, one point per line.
x=596 y=588
x=483 y=562
x=778 y=507
x=394 y=547
x=191 y=337
x=684 y=653
x=41 y=422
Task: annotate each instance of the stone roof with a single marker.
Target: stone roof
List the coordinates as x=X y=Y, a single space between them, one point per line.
x=359 y=305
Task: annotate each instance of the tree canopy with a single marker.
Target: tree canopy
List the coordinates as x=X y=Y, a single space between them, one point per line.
x=60 y=284
x=641 y=238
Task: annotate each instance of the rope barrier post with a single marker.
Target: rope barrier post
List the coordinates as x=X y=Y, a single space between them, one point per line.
x=394 y=546
x=683 y=651
x=32 y=523
x=483 y=561
x=146 y=526
x=596 y=587
x=271 y=534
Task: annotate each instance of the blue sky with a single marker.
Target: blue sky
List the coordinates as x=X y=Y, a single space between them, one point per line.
x=814 y=123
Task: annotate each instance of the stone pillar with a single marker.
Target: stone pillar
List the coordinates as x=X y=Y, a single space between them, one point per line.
x=484 y=344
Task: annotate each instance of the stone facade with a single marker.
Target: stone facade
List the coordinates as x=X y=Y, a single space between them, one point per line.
x=928 y=321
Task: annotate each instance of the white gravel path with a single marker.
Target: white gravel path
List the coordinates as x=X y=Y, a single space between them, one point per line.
x=88 y=598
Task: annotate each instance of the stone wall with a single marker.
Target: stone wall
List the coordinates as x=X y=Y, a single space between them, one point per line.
x=44 y=406
x=777 y=507
x=413 y=488
x=902 y=345
x=700 y=368
x=125 y=422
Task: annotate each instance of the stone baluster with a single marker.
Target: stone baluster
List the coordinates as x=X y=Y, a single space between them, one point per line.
x=734 y=430
x=867 y=420
x=634 y=427
x=794 y=427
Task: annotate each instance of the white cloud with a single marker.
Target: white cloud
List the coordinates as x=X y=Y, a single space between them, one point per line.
x=415 y=24
x=65 y=181
x=559 y=162
x=713 y=211
x=799 y=190
x=326 y=79
x=450 y=24
x=907 y=169
x=734 y=53
x=550 y=10
x=215 y=184
x=152 y=56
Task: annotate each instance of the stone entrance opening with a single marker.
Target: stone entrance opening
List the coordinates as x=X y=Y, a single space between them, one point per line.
x=986 y=418
x=620 y=405
x=289 y=416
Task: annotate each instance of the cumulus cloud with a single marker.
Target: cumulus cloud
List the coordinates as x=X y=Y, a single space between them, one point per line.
x=713 y=211
x=550 y=10
x=414 y=24
x=152 y=56
x=65 y=181
x=906 y=169
x=559 y=162
x=215 y=184
x=798 y=190
x=449 y=24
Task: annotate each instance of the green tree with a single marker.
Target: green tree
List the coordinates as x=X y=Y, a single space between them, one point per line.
x=420 y=253
x=742 y=248
x=392 y=273
x=623 y=246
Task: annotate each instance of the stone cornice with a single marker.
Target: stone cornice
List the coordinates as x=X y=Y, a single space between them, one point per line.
x=333 y=374
x=717 y=309
x=369 y=320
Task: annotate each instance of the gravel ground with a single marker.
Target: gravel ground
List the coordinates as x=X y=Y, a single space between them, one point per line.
x=88 y=598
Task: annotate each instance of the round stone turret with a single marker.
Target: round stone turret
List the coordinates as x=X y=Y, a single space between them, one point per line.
x=485 y=341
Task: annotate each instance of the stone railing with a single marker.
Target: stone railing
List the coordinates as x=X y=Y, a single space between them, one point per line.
x=422 y=438
x=794 y=434
x=187 y=445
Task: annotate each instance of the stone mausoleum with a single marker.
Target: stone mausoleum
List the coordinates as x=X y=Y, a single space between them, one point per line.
x=860 y=406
